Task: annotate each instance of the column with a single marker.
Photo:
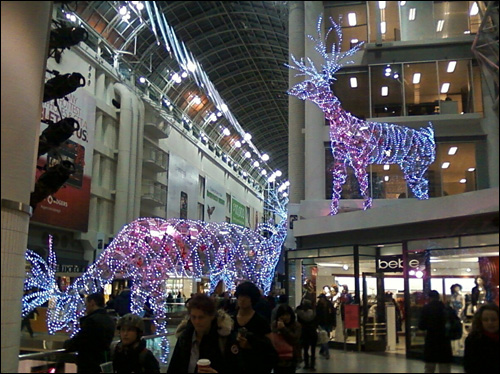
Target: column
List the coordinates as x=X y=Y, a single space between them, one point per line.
x=296 y=108
x=314 y=117
x=25 y=37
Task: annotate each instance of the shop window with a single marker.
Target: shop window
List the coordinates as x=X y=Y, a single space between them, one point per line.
x=201 y=185
x=386 y=90
x=201 y=212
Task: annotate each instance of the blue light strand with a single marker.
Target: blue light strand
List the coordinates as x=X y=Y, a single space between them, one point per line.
x=355 y=142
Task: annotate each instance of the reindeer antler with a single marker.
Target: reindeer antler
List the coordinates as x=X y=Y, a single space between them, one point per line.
x=332 y=60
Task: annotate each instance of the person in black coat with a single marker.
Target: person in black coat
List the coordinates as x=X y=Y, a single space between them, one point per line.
x=92 y=342
x=130 y=355
x=208 y=333
x=437 y=347
x=481 y=345
x=306 y=316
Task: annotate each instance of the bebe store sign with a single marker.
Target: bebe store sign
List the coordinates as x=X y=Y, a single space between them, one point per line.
x=394 y=264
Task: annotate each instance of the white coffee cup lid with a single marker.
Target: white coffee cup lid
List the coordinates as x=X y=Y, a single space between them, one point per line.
x=203 y=362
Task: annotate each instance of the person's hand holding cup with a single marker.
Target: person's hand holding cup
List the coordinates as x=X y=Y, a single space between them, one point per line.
x=204 y=366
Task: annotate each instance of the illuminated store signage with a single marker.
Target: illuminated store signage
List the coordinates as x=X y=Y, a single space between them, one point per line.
x=394 y=264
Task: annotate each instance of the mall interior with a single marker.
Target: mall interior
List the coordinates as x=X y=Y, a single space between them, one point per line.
x=180 y=110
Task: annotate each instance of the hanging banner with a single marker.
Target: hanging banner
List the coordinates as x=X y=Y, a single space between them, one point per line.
x=237 y=212
x=215 y=202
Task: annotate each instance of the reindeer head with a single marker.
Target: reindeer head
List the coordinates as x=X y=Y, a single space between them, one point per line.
x=317 y=88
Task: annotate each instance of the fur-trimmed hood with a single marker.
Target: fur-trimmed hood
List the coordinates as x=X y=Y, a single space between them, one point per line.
x=224 y=324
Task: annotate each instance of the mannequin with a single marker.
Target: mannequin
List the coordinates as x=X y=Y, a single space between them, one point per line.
x=457 y=300
x=481 y=294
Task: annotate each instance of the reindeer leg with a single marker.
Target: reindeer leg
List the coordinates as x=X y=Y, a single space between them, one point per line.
x=161 y=325
x=362 y=177
x=414 y=176
x=339 y=174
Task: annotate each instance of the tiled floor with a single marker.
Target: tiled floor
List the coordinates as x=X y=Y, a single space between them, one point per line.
x=360 y=362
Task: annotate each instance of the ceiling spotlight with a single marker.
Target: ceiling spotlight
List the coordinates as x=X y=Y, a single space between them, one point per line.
x=51 y=181
x=65 y=37
x=56 y=134
x=62 y=85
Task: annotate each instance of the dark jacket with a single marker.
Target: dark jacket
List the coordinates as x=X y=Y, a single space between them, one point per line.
x=325 y=313
x=216 y=346
x=261 y=357
x=134 y=359
x=92 y=342
x=481 y=353
x=122 y=302
x=437 y=347
x=306 y=316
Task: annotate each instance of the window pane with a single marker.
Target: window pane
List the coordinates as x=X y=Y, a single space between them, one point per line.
x=351 y=89
x=350 y=29
x=458 y=99
x=459 y=176
x=387 y=94
x=421 y=90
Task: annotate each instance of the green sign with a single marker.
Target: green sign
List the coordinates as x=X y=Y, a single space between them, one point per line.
x=237 y=213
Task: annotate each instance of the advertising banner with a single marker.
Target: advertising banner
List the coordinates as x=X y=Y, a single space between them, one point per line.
x=215 y=202
x=69 y=206
x=238 y=212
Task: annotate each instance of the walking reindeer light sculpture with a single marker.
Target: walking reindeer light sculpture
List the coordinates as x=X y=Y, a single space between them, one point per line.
x=355 y=142
x=149 y=251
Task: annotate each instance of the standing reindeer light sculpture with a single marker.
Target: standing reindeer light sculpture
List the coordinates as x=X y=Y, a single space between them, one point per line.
x=150 y=250
x=355 y=142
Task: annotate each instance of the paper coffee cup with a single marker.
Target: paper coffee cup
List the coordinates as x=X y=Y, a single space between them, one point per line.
x=203 y=362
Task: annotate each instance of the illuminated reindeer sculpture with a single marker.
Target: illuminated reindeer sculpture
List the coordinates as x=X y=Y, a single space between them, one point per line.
x=355 y=142
x=150 y=250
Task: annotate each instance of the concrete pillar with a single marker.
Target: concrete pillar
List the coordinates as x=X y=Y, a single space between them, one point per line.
x=296 y=108
x=25 y=37
x=314 y=117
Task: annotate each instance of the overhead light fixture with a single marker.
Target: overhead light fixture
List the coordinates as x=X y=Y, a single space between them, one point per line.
x=354 y=82
x=471 y=169
x=463 y=180
x=474 y=9
x=451 y=66
x=413 y=14
x=384 y=91
x=445 y=165
x=381 y=4
x=351 y=17
x=383 y=27
x=416 y=78
x=452 y=150
x=387 y=167
x=445 y=87
x=440 y=25
x=386 y=178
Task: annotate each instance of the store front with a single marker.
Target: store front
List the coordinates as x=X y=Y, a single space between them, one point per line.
x=388 y=279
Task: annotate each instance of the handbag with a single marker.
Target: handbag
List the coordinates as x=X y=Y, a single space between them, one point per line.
x=284 y=349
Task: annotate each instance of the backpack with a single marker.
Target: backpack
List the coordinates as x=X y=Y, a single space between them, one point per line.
x=453 y=326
